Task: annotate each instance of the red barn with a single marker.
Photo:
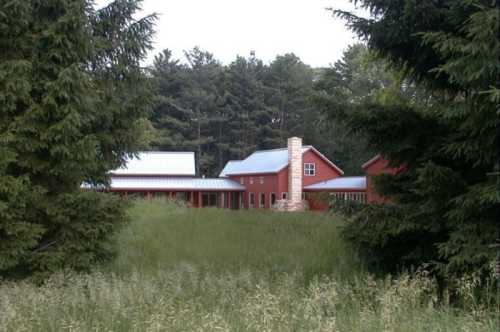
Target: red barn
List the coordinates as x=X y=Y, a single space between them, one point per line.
x=373 y=167
x=287 y=179
x=286 y=175
x=171 y=175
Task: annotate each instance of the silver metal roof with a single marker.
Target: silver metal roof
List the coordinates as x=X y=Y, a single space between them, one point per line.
x=266 y=161
x=231 y=164
x=348 y=183
x=159 y=163
x=174 y=183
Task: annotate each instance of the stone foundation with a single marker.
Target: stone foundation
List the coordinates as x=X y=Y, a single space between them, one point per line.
x=288 y=205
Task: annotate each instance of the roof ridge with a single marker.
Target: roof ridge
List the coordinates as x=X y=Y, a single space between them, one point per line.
x=165 y=152
x=277 y=149
x=268 y=150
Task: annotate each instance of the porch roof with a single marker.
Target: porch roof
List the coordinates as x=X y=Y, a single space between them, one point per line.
x=174 y=183
x=340 y=183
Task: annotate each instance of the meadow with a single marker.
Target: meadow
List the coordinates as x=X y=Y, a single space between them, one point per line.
x=180 y=269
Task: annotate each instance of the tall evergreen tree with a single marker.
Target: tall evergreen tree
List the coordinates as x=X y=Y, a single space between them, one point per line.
x=289 y=83
x=172 y=121
x=249 y=116
x=73 y=95
x=446 y=204
x=188 y=112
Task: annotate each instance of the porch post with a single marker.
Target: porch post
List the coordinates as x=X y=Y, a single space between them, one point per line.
x=191 y=198
x=200 y=201
x=229 y=200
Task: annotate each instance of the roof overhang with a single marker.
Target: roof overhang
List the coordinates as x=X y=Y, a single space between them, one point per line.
x=371 y=161
x=325 y=159
x=173 y=189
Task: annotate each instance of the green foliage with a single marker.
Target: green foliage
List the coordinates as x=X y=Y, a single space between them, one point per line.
x=344 y=207
x=356 y=78
x=72 y=100
x=227 y=112
x=162 y=235
x=444 y=135
x=182 y=269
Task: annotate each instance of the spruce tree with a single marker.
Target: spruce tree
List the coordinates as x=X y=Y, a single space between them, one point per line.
x=72 y=97
x=289 y=84
x=446 y=201
x=249 y=116
x=170 y=117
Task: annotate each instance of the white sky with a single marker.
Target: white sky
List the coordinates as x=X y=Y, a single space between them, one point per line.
x=228 y=28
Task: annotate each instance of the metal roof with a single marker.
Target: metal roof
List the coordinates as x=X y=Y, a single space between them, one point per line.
x=267 y=161
x=340 y=183
x=159 y=163
x=228 y=168
x=173 y=183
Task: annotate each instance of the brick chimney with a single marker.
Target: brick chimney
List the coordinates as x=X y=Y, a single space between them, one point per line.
x=294 y=174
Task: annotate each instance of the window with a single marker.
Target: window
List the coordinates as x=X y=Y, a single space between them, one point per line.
x=251 y=201
x=242 y=180
x=181 y=196
x=349 y=196
x=262 y=200
x=261 y=180
x=284 y=195
x=227 y=199
x=272 y=199
x=209 y=199
x=159 y=195
x=251 y=180
x=309 y=169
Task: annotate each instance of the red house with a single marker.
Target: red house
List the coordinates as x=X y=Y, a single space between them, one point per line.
x=171 y=175
x=373 y=167
x=283 y=177
x=286 y=179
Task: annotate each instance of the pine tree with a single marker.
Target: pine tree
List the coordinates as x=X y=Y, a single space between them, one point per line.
x=245 y=103
x=171 y=120
x=73 y=96
x=446 y=205
x=289 y=83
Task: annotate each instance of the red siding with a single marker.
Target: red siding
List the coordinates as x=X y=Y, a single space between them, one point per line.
x=377 y=167
x=324 y=171
x=278 y=183
x=269 y=185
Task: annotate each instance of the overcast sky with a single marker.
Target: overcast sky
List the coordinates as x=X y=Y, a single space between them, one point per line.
x=228 y=28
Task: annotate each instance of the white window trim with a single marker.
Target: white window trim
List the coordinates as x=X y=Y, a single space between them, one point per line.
x=261 y=179
x=308 y=170
x=262 y=204
x=251 y=180
x=242 y=180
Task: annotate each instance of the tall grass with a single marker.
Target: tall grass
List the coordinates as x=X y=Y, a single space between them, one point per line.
x=214 y=270
x=162 y=236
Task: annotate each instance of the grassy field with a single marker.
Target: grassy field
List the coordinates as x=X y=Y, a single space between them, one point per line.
x=184 y=269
